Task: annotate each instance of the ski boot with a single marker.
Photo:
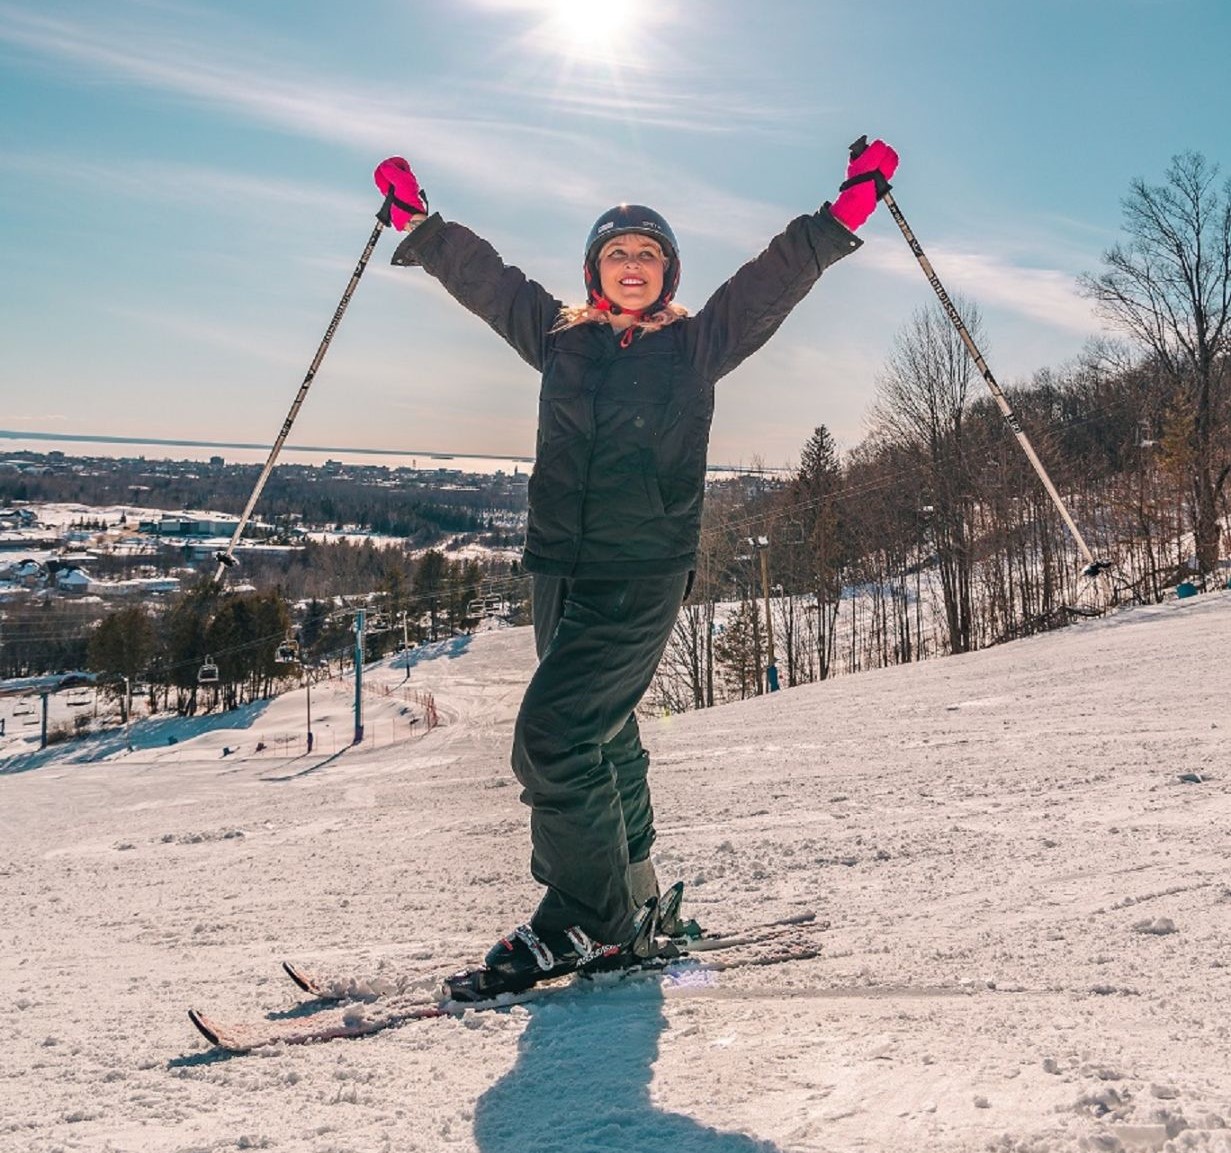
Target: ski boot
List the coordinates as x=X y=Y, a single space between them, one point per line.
x=529 y=956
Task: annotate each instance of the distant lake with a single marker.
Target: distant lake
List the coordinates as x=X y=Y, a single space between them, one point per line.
x=308 y=454
x=239 y=453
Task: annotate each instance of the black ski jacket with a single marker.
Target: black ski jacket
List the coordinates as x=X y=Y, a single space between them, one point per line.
x=619 y=472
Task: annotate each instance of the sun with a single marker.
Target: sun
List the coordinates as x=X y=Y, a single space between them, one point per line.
x=589 y=28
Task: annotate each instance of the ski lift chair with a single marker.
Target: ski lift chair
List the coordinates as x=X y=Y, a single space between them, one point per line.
x=207 y=674
x=287 y=652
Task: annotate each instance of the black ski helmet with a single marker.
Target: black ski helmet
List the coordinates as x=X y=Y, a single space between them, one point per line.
x=642 y=221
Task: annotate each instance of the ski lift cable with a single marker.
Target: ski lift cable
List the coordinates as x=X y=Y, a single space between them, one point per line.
x=226 y=558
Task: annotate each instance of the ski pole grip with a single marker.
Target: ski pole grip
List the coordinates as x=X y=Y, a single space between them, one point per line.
x=384 y=215
x=874 y=175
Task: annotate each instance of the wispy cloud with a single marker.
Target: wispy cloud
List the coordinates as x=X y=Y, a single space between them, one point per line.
x=1043 y=294
x=627 y=65
x=461 y=143
x=253 y=345
x=468 y=148
x=648 y=103
x=353 y=114
x=186 y=184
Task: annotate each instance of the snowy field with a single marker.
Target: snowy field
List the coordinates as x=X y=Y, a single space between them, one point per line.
x=1023 y=854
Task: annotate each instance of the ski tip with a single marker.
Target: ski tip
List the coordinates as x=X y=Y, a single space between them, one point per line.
x=204 y=1027
x=214 y=1035
x=300 y=977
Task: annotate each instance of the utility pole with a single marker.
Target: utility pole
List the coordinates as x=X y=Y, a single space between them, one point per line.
x=358 y=677
x=307 y=680
x=128 y=713
x=761 y=544
x=405 y=647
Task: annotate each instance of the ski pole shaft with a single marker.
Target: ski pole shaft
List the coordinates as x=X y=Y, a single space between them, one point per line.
x=226 y=558
x=997 y=392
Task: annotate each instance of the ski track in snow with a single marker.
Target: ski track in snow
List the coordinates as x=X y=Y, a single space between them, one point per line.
x=1030 y=914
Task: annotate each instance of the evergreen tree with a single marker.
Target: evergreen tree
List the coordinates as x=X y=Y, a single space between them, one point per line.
x=122 y=647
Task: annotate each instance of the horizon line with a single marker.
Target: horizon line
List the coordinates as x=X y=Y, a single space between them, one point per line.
x=76 y=437
x=14 y=434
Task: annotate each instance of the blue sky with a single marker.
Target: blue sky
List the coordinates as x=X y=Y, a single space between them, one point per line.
x=185 y=188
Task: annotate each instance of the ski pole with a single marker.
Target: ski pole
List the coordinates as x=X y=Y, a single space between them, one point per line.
x=226 y=558
x=1093 y=567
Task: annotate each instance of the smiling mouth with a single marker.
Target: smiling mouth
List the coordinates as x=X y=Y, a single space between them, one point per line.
x=631 y=282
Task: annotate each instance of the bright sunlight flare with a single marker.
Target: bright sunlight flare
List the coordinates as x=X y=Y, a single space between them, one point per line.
x=589 y=26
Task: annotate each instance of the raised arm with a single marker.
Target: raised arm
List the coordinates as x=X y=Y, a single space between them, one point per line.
x=749 y=308
x=470 y=269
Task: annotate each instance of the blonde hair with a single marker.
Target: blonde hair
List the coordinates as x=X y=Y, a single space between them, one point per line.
x=572 y=315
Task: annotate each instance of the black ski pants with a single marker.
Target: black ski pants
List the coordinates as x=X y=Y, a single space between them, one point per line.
x=577 y=749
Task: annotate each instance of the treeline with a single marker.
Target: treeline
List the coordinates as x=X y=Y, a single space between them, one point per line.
x=46 y=635
x=209 y=649
x=421 y=508
x=324 y=580
x=326 y=569
x=202 y=651
x=902 y=551
x=936 y=536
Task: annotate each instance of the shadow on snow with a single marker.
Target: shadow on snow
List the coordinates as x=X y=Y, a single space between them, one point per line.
x=581 y=1084
x=449 y=649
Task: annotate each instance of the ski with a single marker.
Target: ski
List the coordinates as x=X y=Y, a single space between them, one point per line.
x=338 y=987
x=395 y=1012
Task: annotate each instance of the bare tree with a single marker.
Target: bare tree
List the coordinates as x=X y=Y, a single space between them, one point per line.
x=1168 y=286
x=923 y=396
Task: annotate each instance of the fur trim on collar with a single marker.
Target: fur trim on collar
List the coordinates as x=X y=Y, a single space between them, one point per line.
x=572 y=315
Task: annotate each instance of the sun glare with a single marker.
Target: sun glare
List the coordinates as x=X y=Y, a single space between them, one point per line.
x=589 y=28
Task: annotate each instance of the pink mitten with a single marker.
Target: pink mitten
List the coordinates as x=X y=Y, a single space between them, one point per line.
x=867 y=179
x=394 y=176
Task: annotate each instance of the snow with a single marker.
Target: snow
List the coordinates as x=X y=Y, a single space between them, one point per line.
x=1022 y=853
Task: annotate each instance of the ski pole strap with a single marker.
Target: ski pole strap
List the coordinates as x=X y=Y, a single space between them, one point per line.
x=392 y=201
x=876 y=175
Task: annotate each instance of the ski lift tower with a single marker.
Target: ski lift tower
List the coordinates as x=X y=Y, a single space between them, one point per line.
x=128 y=712
x=358 y=676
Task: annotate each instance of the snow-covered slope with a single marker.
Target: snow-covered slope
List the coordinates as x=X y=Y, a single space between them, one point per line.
x=1023 y=854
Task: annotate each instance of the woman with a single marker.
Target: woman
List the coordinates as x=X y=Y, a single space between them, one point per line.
x=625 y=405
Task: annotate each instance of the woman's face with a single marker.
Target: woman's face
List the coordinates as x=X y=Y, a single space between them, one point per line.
x=631 y=269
